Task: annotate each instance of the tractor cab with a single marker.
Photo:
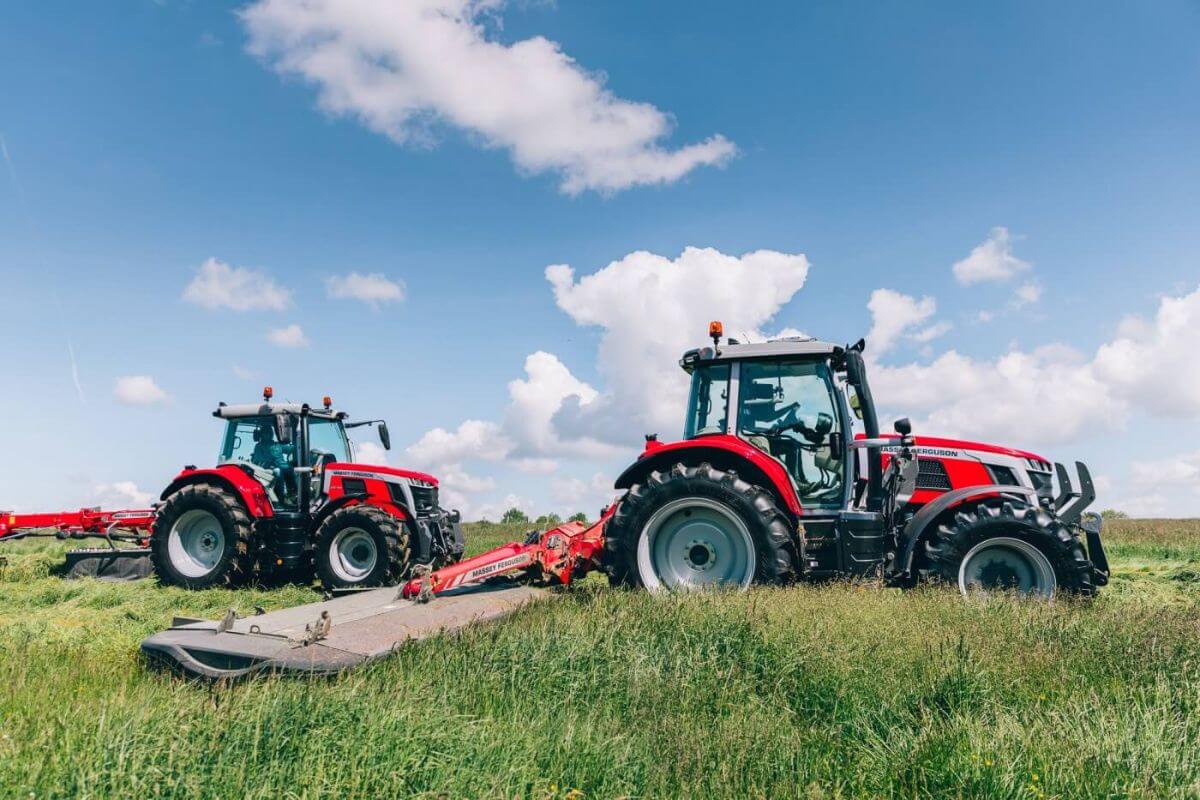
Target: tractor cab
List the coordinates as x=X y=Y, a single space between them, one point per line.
x=285 y=446
x=782 y=398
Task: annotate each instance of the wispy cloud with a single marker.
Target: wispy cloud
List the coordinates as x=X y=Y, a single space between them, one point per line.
x=75 y=371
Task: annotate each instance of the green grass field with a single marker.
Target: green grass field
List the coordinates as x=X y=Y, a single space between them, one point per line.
x=831 y=691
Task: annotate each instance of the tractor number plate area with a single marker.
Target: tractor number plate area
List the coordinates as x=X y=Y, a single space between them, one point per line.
x=327 y=637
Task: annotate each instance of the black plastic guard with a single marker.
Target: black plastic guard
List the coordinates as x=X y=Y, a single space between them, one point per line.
x=107 y=564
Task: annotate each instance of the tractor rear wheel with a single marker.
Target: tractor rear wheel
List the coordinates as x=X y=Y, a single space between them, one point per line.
x=698 y=527
x=201 y=538
x=1010 y=546
x=360 y=546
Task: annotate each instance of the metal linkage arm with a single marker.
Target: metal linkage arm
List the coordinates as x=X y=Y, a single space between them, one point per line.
x=557 y=556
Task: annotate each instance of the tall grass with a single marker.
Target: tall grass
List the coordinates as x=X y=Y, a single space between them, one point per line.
x=829 y=691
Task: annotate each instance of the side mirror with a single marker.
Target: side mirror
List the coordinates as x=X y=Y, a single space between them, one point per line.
x=903 y=426
x=283 y=429
x=385 y=438
x=824 y=424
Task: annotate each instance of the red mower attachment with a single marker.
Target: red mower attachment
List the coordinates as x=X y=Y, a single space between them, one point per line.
x=554 y=558
x=110 y=562
x=110 y=525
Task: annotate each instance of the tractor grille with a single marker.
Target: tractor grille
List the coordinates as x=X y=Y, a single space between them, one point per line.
x=932 y=475
x=425 y=498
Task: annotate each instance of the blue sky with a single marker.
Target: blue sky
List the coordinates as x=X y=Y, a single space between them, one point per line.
x=883 y=142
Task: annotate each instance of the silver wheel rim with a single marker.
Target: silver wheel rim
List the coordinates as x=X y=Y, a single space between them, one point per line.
x=196 y=543
x=695 y=543
x=1003 y=563
x=353 y=554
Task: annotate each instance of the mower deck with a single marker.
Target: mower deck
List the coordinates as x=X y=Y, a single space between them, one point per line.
x=326 y=637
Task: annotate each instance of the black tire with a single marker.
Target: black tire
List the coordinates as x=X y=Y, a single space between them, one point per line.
x=232 y=551
x=950 y=543
x=388 y=537
x=769 y=528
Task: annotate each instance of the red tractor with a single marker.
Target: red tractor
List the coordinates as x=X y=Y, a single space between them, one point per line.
x=286 y=497
x=772 y=483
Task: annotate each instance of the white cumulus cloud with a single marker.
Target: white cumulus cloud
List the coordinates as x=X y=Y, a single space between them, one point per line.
x=1027 y=293
x=1181 y=471
x=120 y=495
x=650 y=309
x=991 y=260
x=219 y=285
x=473 y=439
x=401 y=68
x=894 y=315
x=374 y=289
x=288 y=336
x=1054 y=394
x=369 y=452
x=1152 y=361
x=138 y=390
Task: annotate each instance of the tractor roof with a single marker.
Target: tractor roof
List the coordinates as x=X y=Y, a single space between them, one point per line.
x=268 y=409
x=776 y=348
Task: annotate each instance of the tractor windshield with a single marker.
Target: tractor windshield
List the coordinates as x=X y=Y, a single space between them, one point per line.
x=707 y=408
x=789 y=409
x=327 y=436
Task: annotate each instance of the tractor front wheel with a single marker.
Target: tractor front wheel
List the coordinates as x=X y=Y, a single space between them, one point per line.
x=697 y=527
x=360 y=546
x=1008 y=547
x=201 y=538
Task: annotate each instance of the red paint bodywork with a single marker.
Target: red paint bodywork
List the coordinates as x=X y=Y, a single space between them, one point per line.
x=399 y=473
x=251 y=492
x=740 y=448
x=378 y=489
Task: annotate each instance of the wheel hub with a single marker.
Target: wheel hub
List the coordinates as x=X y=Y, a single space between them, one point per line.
x=700 y=555
x=1005 y=563
x=695 y=542
x=353 y=555
x=196 y=543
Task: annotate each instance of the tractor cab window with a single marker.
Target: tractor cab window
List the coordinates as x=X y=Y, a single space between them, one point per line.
x=709 y=402
x=327 y=440
x=788 y=410
x=253 y=440
x=253 y=443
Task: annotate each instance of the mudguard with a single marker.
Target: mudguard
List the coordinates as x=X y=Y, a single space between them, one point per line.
x=723 y=452
x=252 y=493
x=915 y=529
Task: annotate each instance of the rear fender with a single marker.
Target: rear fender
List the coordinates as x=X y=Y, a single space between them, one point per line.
x=927 y=517
x=723 y=452
x=249 y=491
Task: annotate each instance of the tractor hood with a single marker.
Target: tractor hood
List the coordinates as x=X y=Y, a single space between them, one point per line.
x=940 y=443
